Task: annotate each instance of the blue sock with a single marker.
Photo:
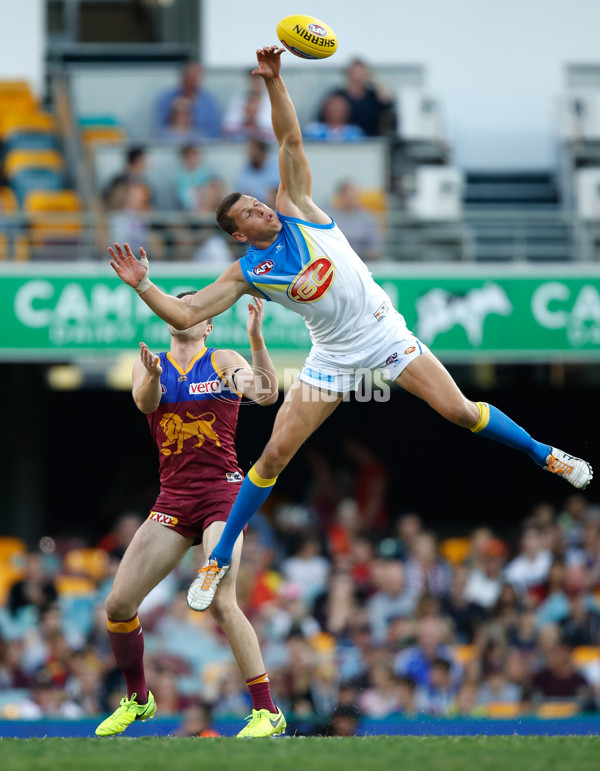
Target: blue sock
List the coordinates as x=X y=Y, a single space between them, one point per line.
x=253 y=493
x=497 y=426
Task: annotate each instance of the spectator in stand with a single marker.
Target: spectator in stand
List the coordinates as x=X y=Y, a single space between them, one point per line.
x=36 y=589
x=497 y=688
x=581 y=626
x=408 y=528
x=571 y=519
x=484 y=583
x=129 y=223
x=425 y=571
x=308 y=568
x=359 y=225
x=530 y=569
x=121 y=534
x=334 y=125
x=381 y=698
x=191 y=178
x=248 y=114
x=371 y=105
x=190 y=107
x=559 y=679
x=555 y=606
x=197 y=719
x=135 y=171
x=260 y=175
x=335 y=607
x=437 y=695
x=370 y=487
x=417 y=661
x=392 y=600
x=588 y=553
x=12 y=674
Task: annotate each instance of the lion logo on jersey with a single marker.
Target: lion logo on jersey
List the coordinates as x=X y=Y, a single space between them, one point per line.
x=313 y=281
x=178 y=430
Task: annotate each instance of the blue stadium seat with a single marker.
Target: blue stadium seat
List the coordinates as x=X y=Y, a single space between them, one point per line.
x=31 y=141
x=78 y=612
x=37 y=179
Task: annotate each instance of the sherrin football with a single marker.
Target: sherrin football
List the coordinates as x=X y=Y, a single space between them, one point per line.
x=307 y=37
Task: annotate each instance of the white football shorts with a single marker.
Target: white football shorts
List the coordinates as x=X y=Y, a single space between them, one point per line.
x=342 y=372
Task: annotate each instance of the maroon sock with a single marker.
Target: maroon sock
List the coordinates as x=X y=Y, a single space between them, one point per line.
x=127 y=642
x=260 y=691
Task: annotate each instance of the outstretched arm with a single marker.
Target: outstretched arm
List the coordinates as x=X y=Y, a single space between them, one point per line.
x=146 y=381
x=294 y=195
x=258 y=381
x=210 y=301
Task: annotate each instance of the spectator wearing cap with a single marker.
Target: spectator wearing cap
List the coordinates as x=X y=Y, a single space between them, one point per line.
x=484 y=582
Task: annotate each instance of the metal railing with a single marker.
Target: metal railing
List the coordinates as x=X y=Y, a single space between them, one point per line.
x=480 y=237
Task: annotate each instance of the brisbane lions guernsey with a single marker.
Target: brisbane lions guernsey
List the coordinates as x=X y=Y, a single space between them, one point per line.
x=313 y=270
x=194 y=426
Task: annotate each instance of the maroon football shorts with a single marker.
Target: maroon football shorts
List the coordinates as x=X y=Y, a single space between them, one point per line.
x=190 y=515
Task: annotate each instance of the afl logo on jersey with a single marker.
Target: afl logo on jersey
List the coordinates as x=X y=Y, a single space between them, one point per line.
x=163 y=389
x=313 y=281
x=263 y=268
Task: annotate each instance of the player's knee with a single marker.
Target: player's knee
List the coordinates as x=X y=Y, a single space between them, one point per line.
x=462 y=412
x=222 y=607
x=119 y=607
x=275 y=458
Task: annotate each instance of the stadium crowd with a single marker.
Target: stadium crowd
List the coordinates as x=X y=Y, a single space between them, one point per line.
x=358 y=613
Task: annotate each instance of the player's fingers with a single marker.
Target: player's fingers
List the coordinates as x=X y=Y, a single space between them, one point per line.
x=143 y=254
x=259 y=303
x=128 y=251
x=114 y=255
x=118 y=250
x=114 y=266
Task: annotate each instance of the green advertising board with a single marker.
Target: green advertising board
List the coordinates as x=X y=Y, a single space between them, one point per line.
x=509 y=313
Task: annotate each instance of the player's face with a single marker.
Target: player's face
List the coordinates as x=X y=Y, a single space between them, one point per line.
x=254 y=220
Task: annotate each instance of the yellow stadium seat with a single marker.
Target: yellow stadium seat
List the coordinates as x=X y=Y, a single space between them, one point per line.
x=11 y=547
x=585 y=654
x=74 y=585
x=8 y=576
x=374 y=199
x=14 y=87
x=455 y=550
x=55 y=214
x=463 y=653
x=17 y=160
x=502 y=709
x=103 y=134
x=8 y=200
x=558 y=709
x=15 y=121
x=89 y=562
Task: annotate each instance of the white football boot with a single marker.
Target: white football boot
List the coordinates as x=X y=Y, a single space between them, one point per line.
x=575 y=470
x=203 y=588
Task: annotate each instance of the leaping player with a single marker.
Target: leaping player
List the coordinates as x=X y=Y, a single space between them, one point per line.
x=298 y=257
x=191 y=396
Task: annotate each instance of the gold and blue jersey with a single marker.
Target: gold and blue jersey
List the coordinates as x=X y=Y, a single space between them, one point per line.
x=312 y=270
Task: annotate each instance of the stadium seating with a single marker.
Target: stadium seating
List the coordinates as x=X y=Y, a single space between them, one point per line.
x=88 y=562
x=585 y=654
x=557 y=709
x=77 y=586
x=55 y=215
x=502 y=709
x=464 y=653
x=455 y=550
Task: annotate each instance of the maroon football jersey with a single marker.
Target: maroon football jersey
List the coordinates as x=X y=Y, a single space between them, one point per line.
x=194 y=426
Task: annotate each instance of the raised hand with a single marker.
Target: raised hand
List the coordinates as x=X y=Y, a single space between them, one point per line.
x=255 y=317
x=269 y=61
x=150 y=361
x=126 y=265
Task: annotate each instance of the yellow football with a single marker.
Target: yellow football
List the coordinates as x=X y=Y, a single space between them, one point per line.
x=307 y=37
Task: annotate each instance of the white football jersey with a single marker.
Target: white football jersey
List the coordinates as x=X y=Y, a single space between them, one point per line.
x=312 y=270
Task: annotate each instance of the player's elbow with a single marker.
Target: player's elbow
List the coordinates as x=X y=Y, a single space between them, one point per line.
x=270 y=399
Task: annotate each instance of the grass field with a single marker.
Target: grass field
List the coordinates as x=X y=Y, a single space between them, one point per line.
x=371 y=753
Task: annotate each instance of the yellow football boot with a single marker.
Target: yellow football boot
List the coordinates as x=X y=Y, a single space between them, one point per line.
x=126 y=714
x=262 y=723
